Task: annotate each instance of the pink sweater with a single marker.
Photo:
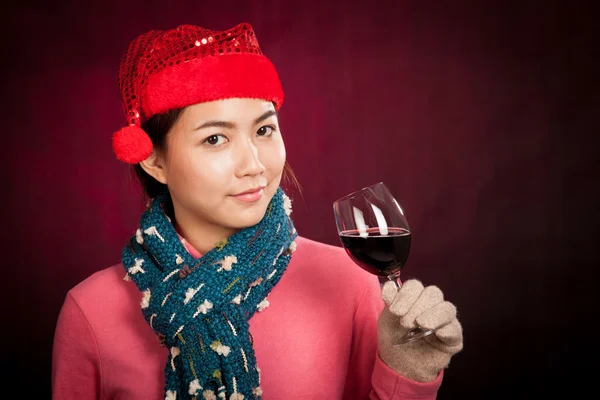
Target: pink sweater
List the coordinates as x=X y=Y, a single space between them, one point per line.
x=317 y=339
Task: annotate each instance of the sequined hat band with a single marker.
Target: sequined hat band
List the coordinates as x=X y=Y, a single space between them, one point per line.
x=165 y=70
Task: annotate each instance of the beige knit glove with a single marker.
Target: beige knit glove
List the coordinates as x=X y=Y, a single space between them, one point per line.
x=407 y=307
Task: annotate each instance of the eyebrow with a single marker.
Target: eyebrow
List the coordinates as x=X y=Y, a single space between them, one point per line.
x=231 y=125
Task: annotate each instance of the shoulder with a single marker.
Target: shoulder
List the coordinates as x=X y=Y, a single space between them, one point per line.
x=315 y=253
x=105 y=291
x=329 y=263
x=100 y=281
x=313 y=249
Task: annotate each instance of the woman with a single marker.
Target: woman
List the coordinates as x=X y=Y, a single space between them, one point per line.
x=234 y=304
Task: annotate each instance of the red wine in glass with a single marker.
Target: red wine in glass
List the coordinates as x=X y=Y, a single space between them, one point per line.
x=375 y=233
x=378 y=254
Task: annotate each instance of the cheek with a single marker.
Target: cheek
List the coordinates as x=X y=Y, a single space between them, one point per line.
x=275 y=157
x=199 y=170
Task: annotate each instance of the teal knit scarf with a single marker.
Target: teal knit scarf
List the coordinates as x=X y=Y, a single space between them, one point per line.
x=200 y=308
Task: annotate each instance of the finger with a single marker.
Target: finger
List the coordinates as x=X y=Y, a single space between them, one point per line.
x=437 y=316
x=408 y=293
x=430 y=297
x=388 y=292
x=451 y=334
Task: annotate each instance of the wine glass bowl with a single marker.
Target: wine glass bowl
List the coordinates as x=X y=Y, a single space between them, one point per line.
x=373 y=230
x=375 y=234
x=383 y=257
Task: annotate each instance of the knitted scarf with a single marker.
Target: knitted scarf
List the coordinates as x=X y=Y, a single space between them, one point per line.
x=200 y=308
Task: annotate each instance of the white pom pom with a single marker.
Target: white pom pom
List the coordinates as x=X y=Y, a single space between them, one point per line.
x=137 y=267
x=171 y=395
x=189 y=294
x=219 y=348
x=146 y=299
x=209 y=395
x=227 y=263
x=293 y=246
x=194 y=387
x=263 y=304
x=138 y=236
x=152 y=231
x=204 y=307
x=287 y=205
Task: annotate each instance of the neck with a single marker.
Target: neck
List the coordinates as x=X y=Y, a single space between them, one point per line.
x=202 y=235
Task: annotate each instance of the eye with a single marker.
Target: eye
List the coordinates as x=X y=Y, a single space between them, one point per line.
x=266 y=130
x=215 y=140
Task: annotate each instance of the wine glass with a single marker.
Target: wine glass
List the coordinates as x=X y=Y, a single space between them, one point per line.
x=375 y=233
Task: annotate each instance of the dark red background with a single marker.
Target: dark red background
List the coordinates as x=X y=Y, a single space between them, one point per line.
x=480 y=118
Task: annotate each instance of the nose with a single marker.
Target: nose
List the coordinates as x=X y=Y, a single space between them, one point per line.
x=249 y=163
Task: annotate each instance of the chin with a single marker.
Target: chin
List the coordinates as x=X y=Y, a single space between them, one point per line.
x=241 y=223
x=248 y=218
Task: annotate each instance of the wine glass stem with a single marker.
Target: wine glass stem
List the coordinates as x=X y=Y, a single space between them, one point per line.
x=393 y=277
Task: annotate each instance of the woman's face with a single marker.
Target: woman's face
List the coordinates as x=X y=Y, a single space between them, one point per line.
x=218 y=150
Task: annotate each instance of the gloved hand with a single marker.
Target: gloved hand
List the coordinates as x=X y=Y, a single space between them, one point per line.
x=406 y=308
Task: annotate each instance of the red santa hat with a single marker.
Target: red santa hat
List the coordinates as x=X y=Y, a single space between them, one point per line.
x=165 y=70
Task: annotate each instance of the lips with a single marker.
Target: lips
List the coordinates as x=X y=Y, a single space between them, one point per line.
x=250 y=196
x=250 y=191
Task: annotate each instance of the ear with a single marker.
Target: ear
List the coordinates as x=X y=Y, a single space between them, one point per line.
x=155 y=167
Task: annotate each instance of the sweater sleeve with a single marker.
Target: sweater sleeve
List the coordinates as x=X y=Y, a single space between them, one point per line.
x=76 y=372
x=368 y=376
